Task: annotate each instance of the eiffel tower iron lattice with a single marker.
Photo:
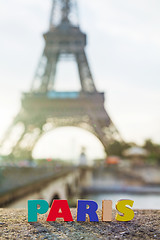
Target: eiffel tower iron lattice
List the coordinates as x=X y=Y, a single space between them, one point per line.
x=43 y=108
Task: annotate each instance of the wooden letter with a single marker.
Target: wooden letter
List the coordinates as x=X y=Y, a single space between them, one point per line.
x=87 y=207
x=60 y=209
x=106 y=210
x=33 y=209
x=127 y=214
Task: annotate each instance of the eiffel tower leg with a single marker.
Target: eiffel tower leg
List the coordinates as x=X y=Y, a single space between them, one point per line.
x=53 y=72
x=98 y=130
x=6 y=135
x=26 y=144
x=10 y=138
x=112 y=133
x=107 y=135
x=85 y=73
x=46 y=76
x=103 y=127
x=36 y=140
x=38 y=74
x=49 y=74
x=16 y=147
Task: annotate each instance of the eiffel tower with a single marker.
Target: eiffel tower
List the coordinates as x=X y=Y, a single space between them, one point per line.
x=44 y=109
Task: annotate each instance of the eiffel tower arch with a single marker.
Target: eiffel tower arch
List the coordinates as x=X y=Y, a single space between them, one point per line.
x=44 y=109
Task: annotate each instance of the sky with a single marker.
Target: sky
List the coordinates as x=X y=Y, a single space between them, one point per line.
x=123 y=51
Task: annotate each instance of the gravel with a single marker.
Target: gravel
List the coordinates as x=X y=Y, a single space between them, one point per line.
x=14 y=225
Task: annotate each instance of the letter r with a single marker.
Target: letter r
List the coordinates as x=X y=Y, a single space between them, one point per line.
x=82 y=210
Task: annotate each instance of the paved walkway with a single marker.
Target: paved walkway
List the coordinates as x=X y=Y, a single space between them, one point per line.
x=14 y=225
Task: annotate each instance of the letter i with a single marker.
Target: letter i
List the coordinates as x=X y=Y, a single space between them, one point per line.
x=106 y=210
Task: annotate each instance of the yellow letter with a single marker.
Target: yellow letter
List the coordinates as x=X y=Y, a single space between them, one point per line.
x=127 y=213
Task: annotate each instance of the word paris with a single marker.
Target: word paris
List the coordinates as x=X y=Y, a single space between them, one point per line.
x=60 y=209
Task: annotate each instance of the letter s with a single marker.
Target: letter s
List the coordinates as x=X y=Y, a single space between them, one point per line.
x=128 y=214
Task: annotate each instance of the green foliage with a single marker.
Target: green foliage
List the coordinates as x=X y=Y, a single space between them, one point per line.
x=117 y=148
x=153 y=149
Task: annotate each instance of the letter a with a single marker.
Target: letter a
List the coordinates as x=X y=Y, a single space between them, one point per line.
x=60 y=209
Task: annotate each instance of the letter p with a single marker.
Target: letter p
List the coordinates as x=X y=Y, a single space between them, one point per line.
x=33 y=209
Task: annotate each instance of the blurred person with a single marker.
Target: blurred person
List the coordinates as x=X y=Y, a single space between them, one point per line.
x=83 y=158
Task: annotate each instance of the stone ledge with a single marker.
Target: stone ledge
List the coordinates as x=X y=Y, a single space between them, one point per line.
x=14 y=225
x=33 y=185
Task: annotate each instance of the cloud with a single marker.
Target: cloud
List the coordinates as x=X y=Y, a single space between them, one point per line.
x=136 y=20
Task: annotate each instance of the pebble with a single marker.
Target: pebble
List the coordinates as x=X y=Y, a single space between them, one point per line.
x=14 y=225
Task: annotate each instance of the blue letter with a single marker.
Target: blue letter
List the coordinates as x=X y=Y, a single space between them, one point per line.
x=87 y=207
x=33 y=210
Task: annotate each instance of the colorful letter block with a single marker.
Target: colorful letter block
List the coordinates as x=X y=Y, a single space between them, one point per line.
x=60 y=209
x=87 y=207
x=106 y=210
x=127 y=213
x=33 y=209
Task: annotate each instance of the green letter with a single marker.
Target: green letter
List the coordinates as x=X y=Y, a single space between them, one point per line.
x=33 y=210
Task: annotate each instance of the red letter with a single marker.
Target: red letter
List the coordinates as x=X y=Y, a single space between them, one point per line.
x=55 y=212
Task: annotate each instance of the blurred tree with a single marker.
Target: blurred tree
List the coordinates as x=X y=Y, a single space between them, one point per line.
x=153 y=149
x=117 y=148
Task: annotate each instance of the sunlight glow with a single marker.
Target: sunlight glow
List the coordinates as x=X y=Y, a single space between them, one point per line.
x=66 y=143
